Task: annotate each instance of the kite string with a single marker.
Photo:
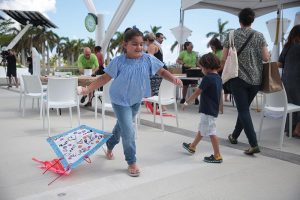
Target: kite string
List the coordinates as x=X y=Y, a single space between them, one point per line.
x=68 y=169
x=52 y=165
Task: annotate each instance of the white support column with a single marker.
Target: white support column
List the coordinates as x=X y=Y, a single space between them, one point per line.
x=90 y=6
x=18 y=37
x=117 y=19
x=36 y=62
x=100 y=29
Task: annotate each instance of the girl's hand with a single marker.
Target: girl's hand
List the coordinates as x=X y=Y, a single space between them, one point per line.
x=82 y=90
x=178 y=82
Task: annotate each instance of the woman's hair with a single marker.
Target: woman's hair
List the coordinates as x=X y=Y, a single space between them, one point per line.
x=150 y=36
x=215 y=42
x=246 y=16
x=210 y=61
x=294 y=36
x=131 y=33
x=185 y=45
x=97 y=48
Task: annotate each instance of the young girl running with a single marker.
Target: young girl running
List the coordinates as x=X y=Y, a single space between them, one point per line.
x=131 y=83
x=210 y=90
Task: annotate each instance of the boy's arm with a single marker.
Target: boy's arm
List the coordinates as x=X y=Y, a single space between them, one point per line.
x=194 y=96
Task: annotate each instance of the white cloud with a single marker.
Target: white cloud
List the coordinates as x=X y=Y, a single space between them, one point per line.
x=42 y=6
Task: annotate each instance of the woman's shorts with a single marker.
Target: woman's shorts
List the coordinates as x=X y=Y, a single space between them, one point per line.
x=207 y=125
x=189 y=82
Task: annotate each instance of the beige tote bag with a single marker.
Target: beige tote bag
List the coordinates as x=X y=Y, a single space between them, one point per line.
x=231 y=67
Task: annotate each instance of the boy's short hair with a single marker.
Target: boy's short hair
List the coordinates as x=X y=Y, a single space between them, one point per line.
x=210 y=61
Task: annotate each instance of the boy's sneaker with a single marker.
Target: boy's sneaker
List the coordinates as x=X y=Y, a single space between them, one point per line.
x=252 y=150
x=212 y=159
x=187 y=147
x=232 y=140
x=182 y=101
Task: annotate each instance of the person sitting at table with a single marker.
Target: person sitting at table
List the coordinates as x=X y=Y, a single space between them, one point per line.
x=100 y=59
x=87 y=60
x=188 y=59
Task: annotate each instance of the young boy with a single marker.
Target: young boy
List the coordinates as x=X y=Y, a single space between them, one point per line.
x=210 y=90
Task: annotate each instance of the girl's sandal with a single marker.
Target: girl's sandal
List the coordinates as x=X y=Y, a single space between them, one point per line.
x=133 y=171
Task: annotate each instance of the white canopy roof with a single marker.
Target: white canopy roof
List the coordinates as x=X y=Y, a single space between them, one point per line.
x=260 y=7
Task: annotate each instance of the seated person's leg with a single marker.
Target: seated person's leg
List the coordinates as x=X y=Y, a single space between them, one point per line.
x=184 y=90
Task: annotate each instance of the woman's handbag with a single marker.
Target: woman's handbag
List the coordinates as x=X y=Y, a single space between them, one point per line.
x=231 y=67
x=271 y=81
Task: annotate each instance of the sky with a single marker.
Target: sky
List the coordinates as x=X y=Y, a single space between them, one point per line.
x=69 y=16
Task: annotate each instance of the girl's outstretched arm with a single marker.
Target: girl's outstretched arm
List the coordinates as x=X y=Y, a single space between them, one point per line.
x=165 y=74
x=99 y=82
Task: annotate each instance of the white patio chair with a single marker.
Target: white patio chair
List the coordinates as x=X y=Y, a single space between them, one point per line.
x=21 y=91
x=32 y=88
x=166 y=96
x=96 y=95
x=275 y=105
x=106 y=105
x=62 y=74
x=61 y=93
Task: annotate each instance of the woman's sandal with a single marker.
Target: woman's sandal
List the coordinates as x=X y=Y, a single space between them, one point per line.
x=133 y=171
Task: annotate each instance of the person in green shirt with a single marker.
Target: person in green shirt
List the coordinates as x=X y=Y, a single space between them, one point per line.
x=216 y=47
x=188 y=59
x=87 y=60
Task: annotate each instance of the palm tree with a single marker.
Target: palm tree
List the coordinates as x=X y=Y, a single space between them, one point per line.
x=174 y=46
x=154 y=29
x=221 y=34
x=115 y=46
x=71 y=50
x=6 y=27
x=77 y=49
x=90 y=43
x=60 y=47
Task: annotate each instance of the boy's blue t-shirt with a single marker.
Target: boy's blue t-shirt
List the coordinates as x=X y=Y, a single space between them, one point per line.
x=131 y=78
x=211 y=86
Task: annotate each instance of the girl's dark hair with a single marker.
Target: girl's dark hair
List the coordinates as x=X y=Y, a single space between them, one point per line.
x=216 y=43
x=131 y=33
x=294 y=36
x=185 y=45
x=246 y=16
x=210 y=61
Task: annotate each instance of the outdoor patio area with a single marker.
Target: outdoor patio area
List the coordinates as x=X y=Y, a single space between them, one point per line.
x=167 y=171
